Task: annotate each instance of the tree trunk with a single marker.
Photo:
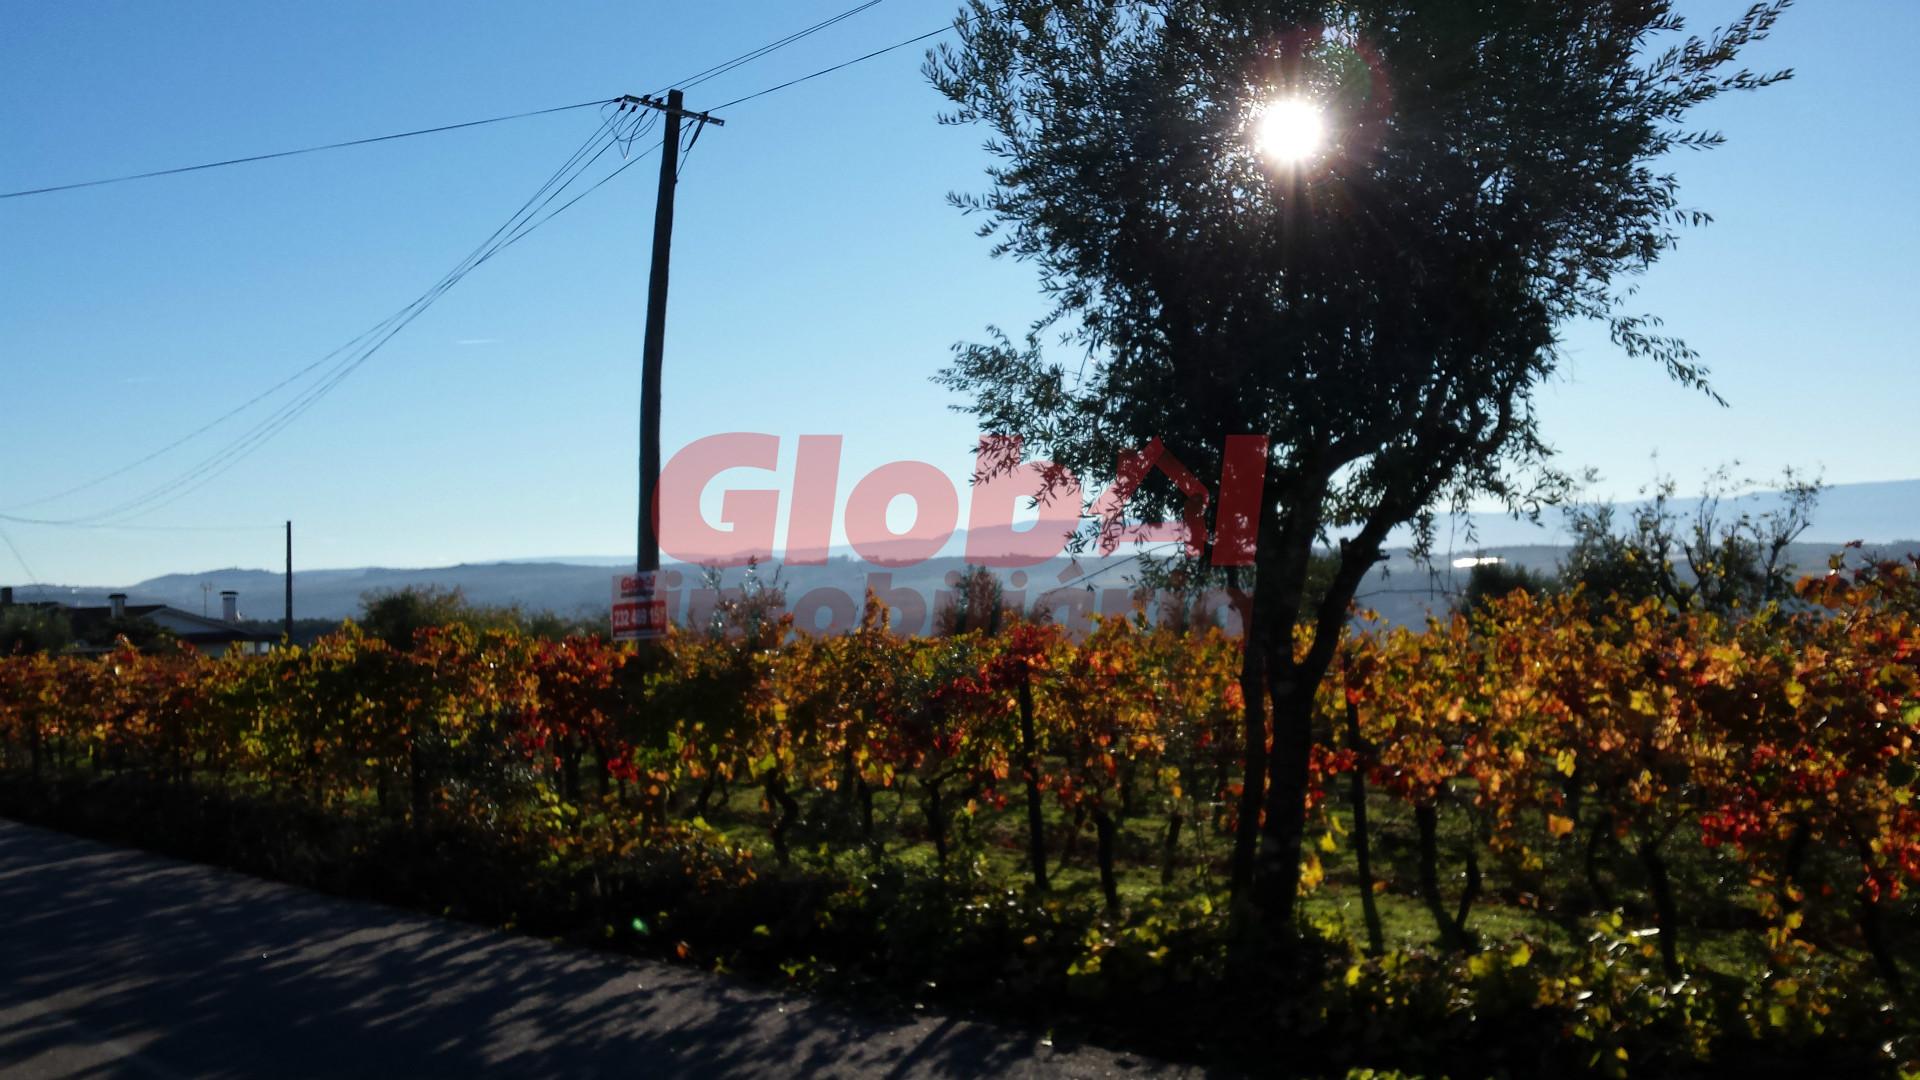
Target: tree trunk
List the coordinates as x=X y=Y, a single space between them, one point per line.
x=1362 y=843
x=570 y=771
x=936 y=823
x=1601 y=833
x=785 y=810
x=1469 y=894
x=1220 y=810
x=1666 y=913
x=1072 y=845
x=603 y=778
x=1104 y=827
x=1427 y=817
x=1170 y=847
x=1283 y=828
x=705 y=795
x=1796 y=857
x=848 y=797
x=417 y=795
x=1253 y=774
x=1873 y=928
x=1030 y=767
x=1254 y=680
x=864 y=792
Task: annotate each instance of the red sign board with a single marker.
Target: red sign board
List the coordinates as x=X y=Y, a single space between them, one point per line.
x=639 y=612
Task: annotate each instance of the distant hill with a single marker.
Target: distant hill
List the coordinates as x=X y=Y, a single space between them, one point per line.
x=1886 y=515
x=1401 y=589
x=1877 y=513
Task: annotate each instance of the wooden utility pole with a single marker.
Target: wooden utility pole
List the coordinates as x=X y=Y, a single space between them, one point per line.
x=648 y=560
x=655 y=341
x=289 y=584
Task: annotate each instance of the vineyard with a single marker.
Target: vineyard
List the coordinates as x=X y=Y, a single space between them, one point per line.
x=1559 y=832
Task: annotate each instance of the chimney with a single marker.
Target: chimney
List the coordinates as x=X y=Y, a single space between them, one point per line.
x=230 y=605
x=6 y=596
x=118 y=602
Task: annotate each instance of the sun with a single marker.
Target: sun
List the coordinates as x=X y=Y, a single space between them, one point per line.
x=1289 y=131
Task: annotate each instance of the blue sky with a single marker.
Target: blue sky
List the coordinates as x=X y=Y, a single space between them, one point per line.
x=818 y=278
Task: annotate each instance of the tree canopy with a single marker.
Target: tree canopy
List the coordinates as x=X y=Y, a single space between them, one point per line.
x=1381 y=310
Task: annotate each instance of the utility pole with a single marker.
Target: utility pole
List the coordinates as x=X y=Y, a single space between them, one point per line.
x=647 y=562
x=289 y=584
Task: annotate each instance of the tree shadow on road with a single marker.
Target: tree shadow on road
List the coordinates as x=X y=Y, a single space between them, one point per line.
x=119 y=962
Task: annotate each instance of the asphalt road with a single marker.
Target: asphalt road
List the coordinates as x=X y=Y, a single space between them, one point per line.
x=123 y=963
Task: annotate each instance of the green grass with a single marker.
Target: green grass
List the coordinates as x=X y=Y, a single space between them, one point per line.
x=1722 y=931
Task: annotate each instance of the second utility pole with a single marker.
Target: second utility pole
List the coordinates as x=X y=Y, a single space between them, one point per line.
x=648 y=560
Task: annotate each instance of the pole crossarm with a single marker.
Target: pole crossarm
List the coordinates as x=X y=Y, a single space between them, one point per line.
x=651 y=102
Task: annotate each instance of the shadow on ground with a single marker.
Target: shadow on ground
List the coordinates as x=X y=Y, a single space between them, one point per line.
x=122 y=963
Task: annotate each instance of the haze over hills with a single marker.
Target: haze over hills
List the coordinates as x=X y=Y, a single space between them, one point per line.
x=1877 y=513
x=1885 y=515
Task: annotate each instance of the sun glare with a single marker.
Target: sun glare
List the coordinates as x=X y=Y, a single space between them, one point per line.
x=1289 y=131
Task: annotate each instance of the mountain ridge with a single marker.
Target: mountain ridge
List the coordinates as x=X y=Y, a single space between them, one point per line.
x=1884 y=514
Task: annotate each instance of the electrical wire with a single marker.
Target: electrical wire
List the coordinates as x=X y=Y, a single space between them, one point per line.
x=182 y=440
x=1090 y=575
x=524 y=221
x=607 y=121
x=119 y=527
x=687 y=150
x=292 y=153
x=858 y=59
x=216 y=465
x=722 y=68
x=531 y=215
x=213 y=467
x=692 y=80
x=32 y=578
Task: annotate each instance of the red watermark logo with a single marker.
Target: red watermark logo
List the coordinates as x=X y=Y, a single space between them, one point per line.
x=749 y=518
x=1217 y=524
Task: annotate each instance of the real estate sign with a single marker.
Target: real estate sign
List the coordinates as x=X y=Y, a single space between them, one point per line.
x=639 y=612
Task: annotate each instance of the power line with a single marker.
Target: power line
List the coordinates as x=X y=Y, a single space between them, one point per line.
x=698 y=77
x=1090 y=575
x=32 y=578
x=859 y=59
x=120 y=527
x=607 y=123
x=722 y=68
x=614 y=130
x=516 y=228
x=292 y=153
x=686 y=151
x=182 y=440
x=220 y=462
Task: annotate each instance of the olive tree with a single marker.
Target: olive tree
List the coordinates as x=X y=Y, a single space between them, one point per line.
x=1381 y=308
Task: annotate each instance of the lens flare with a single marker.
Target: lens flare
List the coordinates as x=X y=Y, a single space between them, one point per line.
x=1289 y=131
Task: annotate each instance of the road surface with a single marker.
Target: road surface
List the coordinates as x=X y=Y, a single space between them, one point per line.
x=122 y=963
